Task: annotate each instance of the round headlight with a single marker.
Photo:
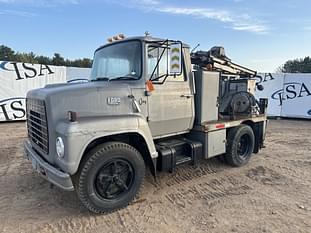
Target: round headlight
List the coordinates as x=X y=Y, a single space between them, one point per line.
x=60 y=147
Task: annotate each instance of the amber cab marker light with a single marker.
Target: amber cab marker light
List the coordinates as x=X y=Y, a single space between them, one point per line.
x=121 y=36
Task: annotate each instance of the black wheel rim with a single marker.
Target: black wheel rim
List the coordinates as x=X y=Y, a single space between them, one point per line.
x=244 y=146
x=114 y=179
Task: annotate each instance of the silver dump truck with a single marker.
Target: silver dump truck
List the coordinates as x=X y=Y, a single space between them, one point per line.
x=149 y=103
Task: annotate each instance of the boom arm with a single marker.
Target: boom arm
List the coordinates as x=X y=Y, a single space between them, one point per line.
x=215 y=59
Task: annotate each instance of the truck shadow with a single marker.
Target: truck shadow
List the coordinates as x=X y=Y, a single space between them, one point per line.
x=36 y=196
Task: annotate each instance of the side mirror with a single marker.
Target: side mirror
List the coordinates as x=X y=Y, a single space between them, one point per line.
x=168 y=61
x=260 y=87
x=175 y=59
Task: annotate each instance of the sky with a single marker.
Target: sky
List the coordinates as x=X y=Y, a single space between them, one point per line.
x=260 y=34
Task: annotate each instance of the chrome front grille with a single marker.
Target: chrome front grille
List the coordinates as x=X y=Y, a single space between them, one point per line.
x=37 y=124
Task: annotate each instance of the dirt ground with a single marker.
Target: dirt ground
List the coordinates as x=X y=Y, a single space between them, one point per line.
x=270 y=194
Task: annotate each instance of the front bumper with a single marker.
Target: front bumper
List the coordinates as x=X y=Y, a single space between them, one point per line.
x=50 y=173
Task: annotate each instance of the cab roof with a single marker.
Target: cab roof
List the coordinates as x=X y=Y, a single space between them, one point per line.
x=140 y=38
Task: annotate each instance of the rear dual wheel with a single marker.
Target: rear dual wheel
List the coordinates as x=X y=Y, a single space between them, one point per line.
x=240 y=145
x=110 y=177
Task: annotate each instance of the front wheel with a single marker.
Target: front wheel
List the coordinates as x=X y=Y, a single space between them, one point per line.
x=240 y=145
x=110 y=177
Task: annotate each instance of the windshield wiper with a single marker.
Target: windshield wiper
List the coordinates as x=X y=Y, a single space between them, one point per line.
x=101 y=79
x=115 y=78
x=123 y=78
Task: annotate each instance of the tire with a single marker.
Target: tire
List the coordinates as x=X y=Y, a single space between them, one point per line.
x=110 y=177
x=240 y=145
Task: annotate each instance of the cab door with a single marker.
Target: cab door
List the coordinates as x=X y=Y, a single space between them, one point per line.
x=171 y=104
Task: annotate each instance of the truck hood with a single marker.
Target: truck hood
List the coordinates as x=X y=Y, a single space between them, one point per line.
x=87 y=99
x=93 y=99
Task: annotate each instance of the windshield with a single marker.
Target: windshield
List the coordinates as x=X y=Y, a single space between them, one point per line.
x=122 y=60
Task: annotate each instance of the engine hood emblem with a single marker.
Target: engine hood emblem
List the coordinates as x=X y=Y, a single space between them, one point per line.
x=113 y=100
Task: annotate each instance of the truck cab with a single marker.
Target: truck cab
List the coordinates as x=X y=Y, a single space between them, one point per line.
x=168 y=110
x=149 y=102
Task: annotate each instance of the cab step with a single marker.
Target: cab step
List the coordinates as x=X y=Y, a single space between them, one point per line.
x=175 y=152
x=182 y=159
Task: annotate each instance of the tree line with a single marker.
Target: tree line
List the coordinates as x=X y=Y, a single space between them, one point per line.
x=8 y=54
x=300 y=65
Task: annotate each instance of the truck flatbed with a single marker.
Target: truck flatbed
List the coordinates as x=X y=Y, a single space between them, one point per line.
x=227 y=123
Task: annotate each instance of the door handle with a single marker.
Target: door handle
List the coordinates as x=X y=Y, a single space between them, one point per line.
x=187 y=96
